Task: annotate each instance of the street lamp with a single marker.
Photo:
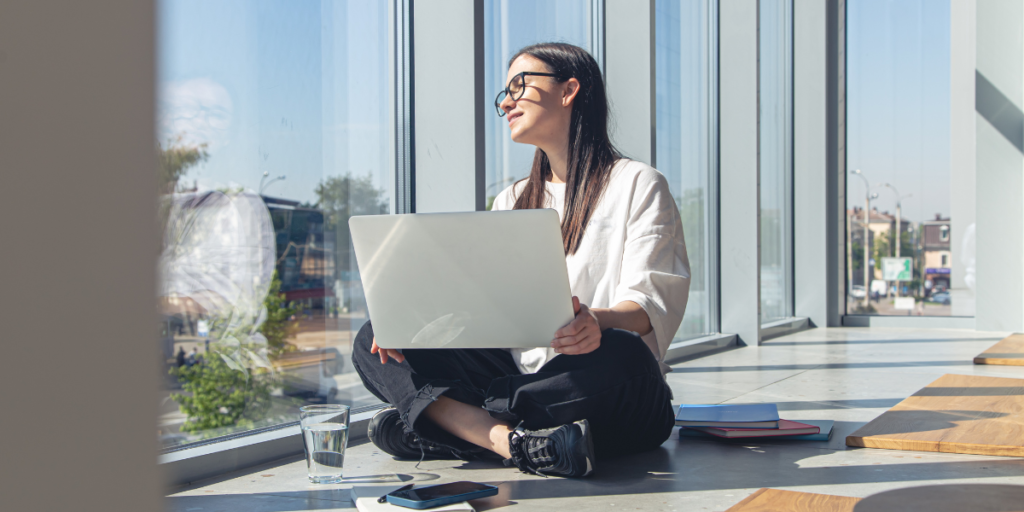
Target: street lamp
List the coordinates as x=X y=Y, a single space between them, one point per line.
x=265 y=174
x=868 y=196
x=899 y=225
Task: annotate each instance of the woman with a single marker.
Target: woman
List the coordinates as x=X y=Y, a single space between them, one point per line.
x=599 y=389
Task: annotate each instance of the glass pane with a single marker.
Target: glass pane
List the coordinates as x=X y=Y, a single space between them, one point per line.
x=776 y=157
x=898 y=138
x=273 y=130
x=685 y=88
x=509 y=26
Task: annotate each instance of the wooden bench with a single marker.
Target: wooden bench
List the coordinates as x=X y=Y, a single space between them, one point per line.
x=1009 y=351
x=954 y=414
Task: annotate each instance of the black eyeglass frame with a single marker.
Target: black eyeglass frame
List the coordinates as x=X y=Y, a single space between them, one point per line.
x=506 y=93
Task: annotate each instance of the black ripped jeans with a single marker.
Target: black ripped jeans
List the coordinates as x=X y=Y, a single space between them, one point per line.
x=618 y=388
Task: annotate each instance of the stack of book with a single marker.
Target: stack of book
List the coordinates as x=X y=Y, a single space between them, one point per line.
x=747 y=420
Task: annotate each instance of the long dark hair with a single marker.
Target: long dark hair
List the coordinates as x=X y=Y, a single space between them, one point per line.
x=591 y=154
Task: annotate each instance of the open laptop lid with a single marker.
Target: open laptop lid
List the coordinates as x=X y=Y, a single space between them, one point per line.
x=463 y=280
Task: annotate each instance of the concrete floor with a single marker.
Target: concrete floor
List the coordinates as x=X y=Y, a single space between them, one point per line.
x=850 y=375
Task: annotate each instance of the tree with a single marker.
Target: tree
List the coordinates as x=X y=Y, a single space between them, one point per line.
x=231 y=385
x=278 y=327
x=175 y=158
x=340 y=198
x=883 y=249
x=219 y=395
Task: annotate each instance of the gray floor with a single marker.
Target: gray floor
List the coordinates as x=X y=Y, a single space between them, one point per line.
x=849 y=375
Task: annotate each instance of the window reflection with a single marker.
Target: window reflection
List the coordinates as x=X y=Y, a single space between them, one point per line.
x=273 y=130
x=775 y=85
x=686 y=144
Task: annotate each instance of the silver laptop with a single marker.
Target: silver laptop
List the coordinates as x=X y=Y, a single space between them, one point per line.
x=463 y=280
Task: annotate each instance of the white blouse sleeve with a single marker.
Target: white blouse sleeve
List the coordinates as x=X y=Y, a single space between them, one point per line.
x=655 y=269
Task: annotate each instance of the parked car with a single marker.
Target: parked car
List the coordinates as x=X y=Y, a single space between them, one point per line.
x=857 y=291
x=939 y=297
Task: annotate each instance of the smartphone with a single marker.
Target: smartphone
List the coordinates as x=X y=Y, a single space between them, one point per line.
x=437 y=495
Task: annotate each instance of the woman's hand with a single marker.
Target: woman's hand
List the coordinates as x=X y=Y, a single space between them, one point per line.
x=385 y=353
x=582 y=335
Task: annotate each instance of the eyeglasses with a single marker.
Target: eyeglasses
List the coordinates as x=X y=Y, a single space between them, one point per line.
x=515 y=89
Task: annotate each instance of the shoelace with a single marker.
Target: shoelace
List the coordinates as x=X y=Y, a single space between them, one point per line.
x=520 y=456
x=529 y=450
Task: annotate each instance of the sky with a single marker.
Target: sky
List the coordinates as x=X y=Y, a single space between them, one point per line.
x=299 y=89
x=292 y=88
x=898 y=104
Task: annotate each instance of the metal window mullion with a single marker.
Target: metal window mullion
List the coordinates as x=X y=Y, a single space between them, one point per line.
x=404 y=111
x=712 y=200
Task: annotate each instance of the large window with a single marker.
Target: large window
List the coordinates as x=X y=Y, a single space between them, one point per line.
x=687 y=145
x=273 y=131
x=508 y=26
x=775 y=141
x=898 y=158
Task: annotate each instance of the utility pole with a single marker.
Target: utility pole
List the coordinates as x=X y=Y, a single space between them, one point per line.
x=867 y=220
x=899 y=225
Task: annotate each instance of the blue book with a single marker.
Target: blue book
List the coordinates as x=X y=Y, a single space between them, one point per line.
x=824 y=434
x=728 y=416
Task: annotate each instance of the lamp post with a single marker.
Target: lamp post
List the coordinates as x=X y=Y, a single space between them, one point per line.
x=265 y=174
x=899 y=225
x=868 y=196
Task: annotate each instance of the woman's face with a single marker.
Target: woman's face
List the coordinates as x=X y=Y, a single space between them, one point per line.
x=541 y=116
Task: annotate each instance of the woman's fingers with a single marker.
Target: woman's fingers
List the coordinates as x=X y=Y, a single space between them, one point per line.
x=585 y=346
x=573 y=339
x=582 y=319
x=397 y=356
x=571 y=329
x=573 y=344
x=385 y=353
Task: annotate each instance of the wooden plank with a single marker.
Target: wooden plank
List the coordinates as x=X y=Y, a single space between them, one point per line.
x=954 y=414
x=772 y=500
x=1009 y=351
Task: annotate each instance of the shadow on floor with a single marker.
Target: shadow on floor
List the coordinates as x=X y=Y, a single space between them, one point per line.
x=743 y=466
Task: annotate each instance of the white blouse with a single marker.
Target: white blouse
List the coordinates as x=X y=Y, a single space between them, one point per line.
x=633 y=249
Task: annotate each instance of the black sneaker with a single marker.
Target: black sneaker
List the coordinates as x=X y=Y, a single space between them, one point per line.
x=387 y=431
x=562 y=451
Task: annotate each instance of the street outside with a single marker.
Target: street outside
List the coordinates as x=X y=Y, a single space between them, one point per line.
x=885 y=306
x=313 y=333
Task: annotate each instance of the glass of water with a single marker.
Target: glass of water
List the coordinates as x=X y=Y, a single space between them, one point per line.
x=324 y=438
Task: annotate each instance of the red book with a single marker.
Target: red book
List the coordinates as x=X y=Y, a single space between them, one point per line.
x=786 y=428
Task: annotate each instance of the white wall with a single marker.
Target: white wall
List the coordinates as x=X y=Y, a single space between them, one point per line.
x=448 y=122
x=962 y=155
x=1000 y=165
x=629 y=72
x=810 y=162
x=740 y=194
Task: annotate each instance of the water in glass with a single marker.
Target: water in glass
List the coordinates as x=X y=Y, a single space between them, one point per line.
x=325 y=451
